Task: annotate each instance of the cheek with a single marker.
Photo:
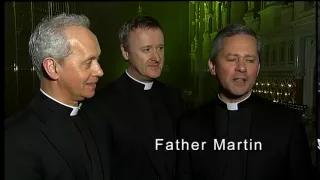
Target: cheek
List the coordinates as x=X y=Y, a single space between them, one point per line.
x=225 y=72
x=161 y=54
x=135 y=58
x=79 y=76
x=141 y=60
x=253 y=72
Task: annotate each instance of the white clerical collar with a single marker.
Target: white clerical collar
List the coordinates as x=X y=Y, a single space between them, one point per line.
x=234 y=106
x=147 y=85
x=75 y=109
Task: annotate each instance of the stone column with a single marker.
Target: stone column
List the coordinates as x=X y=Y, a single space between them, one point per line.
x=224 y=14
x=309 y=78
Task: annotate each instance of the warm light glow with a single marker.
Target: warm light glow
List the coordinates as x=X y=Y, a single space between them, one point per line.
x=15 y=67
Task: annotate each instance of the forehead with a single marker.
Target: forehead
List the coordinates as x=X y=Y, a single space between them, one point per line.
x=78 y=32
x=81 y=38
x=240 y=40
x=146 y=34
x=240 y=44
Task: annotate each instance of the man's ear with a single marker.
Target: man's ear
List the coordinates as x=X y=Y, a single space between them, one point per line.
x=124 y=53
x=212 y=66
x=51 y=67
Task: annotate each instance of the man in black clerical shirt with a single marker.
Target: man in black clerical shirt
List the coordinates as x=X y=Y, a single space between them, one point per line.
x=137 y=108
x=247 y=137
x=51 y=138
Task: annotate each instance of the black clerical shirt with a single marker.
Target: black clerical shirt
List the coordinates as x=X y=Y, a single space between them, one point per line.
x=91 y=155
x=233 y=126
x=87 y=150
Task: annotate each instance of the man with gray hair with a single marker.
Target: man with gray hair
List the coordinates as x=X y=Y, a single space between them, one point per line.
x=247 y=137
x=50 y=139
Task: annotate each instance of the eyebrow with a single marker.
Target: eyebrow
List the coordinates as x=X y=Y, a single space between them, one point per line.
x=149 y=46
x=235 y=54
x=92 y=58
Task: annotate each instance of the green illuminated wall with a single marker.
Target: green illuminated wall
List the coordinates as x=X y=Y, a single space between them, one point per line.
x=189 y=27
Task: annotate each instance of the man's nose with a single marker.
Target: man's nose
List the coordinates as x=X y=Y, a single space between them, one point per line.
x=156 y=55
x=241 y=66
x=98 y=72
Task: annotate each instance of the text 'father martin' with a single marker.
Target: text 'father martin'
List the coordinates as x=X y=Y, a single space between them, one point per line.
x=181 y=144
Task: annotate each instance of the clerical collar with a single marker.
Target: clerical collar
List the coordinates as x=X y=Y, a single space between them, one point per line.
x=234 y=106
x=147 y=85
x=75 y=109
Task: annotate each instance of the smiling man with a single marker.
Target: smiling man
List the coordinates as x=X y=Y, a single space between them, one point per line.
x=237 y=114
x=50 y=139
x=137 y=108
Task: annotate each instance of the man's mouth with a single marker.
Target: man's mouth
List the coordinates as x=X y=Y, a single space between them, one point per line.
x=92 y=84
x=154 y=65
x=240 y=79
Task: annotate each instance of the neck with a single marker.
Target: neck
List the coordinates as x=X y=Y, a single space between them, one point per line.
x=134 y=74
x=53 y=89
x=228 y=98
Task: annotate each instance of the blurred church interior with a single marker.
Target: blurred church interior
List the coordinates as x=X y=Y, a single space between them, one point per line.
x=288 y=31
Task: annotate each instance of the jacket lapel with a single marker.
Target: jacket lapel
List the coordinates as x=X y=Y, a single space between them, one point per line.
x=142 y=112
x=60 y=132
x=166 y=124
x=100 y=147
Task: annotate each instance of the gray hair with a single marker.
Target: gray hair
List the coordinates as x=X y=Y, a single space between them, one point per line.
x=229 y=31
x=49 y=40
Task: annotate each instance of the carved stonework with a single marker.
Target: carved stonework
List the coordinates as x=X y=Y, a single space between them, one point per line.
x=304 y=20
x=266 y=55
x=282 y=57
x=274 y=55
x=290 y=51
x=251 y=6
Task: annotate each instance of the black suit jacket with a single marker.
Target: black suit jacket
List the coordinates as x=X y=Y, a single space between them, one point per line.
x=41 y=143
x=284 y=155
x=133 y=122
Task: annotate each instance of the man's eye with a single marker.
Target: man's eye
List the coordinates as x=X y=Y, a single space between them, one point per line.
x=146 y=50
x=231 y=59
x=88 y=63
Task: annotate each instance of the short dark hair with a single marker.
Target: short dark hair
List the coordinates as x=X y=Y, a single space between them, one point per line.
x=133 y=24
x=229 y=31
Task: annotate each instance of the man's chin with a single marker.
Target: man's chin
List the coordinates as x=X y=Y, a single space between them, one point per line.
x=154 y=75
x=236 y=94
x=89 y=95
x=240 y=95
